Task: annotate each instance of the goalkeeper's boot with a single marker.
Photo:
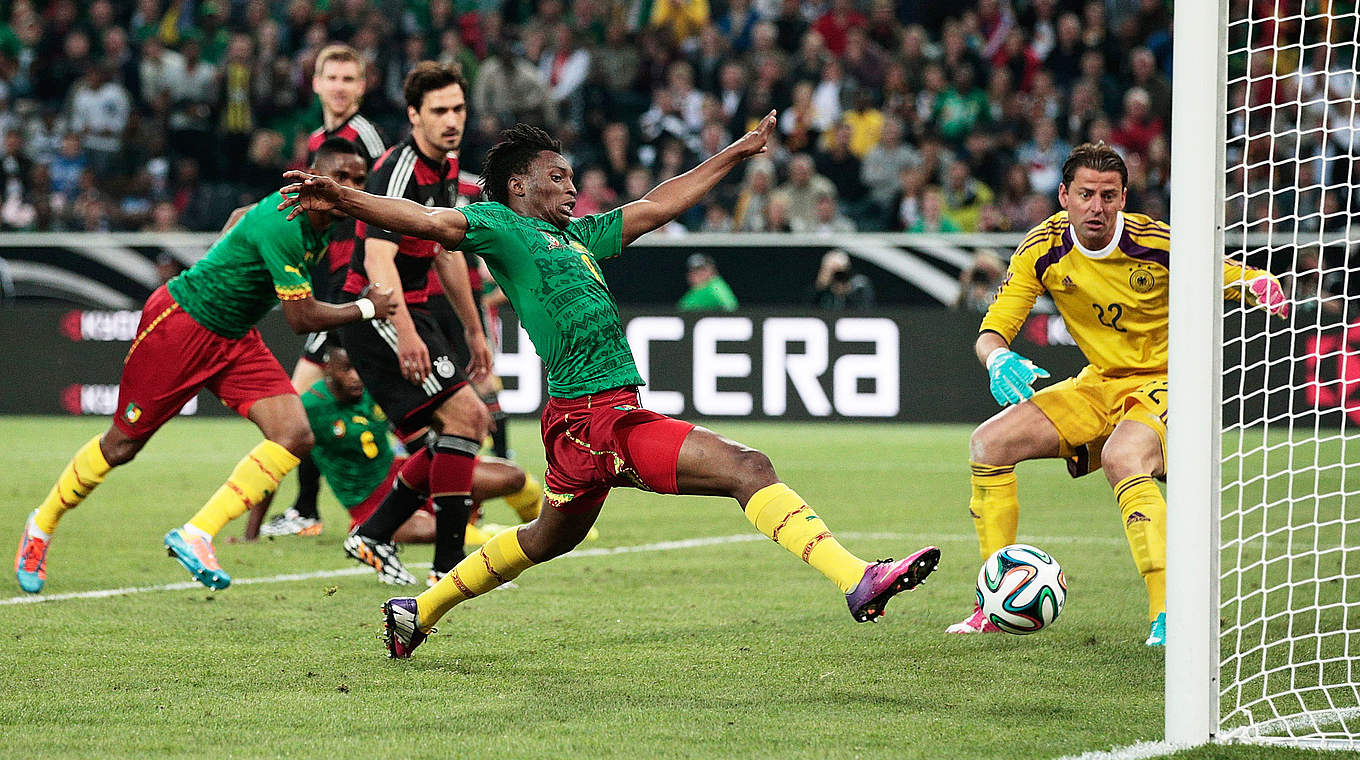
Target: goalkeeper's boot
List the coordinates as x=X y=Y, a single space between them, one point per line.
x=381 y=557
x=974 y=623
x=401 y=627
x=196 y=554
x=30 y=562
x=1157 y=632
x=292 y=523
x=885 y=578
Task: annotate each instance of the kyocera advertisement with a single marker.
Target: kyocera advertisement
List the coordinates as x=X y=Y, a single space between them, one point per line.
x=910 y=365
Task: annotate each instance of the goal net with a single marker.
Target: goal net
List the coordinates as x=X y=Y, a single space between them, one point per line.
x=1286 y=536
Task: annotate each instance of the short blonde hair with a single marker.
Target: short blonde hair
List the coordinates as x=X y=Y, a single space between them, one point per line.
x=338 y=52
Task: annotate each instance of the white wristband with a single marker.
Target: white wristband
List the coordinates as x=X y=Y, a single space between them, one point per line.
x=991 y=357
x=366 y=308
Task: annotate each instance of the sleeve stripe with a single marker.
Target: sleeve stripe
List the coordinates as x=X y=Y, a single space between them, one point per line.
x=293 y=293
x=401 y=173
x=368 y=135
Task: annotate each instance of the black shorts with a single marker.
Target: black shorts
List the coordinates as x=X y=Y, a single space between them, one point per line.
x=451 y=326
x=372 y=347
x=314 y=347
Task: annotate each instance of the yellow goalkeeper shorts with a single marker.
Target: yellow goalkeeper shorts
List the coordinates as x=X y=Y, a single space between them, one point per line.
x=1086 y=408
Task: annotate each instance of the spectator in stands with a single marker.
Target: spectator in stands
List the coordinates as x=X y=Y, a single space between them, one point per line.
x=964 y=197
x=193 y=92
x=565 y=65
x=933 y=217
x=1137 y=128
x=961 y=108
x=834 y=25
x=708 y=291
x=737 y=24
x=827 y=219
x=905 y=209
x=67 y=168
x=1144 y=74
x=801 y=190
x=100 y=108
x=595 y=195
x=838 y=287
x=884 y=162
x=1043 y=157
x=838 y=164
x=757 y=185
x=164 y=218
x=510 y=88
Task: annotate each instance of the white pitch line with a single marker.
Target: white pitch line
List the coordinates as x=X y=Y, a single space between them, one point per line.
x=1139 y=751
x=604 y=551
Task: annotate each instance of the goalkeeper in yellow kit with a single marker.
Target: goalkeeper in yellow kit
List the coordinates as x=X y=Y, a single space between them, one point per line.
x=1107 y=273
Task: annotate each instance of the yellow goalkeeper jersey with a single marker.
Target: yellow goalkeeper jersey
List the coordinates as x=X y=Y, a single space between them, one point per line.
x=1114 y=300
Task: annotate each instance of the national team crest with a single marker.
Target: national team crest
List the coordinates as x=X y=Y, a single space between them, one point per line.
x=444 y=367
x=1142 y=281
x=553 y=242
x=338 y=429
x=132 y=413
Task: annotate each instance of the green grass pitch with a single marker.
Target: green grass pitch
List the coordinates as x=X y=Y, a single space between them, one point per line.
x=730 y=648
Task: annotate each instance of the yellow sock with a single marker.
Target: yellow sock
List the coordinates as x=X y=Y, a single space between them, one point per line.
x=526 y=500
x=782 y=515
x=499 y=561
x=256 y=476
x=995 y=506
x=1143 y=508
x=475 y=536
x=85 y=471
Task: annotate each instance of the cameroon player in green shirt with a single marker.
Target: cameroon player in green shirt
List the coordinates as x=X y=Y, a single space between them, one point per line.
x=197 y=332
x=596 y=435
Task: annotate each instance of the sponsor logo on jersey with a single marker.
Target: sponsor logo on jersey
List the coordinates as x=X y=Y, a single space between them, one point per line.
x=444 y=367
x=338 y=429
x=133 y=412
x=1142 y=281
x=1136 y=517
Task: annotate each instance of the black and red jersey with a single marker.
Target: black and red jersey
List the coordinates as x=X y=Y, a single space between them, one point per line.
x=369 y=141
x=469 y=191
x=404 y=172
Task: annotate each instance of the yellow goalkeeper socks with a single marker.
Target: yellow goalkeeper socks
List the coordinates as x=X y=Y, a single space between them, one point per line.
x=1143 y=508
x=526 y=500
x=995 y=506
x=85 y=471
x=473 y=535
x=499 y=561
x=255 y=477
x=782 y=515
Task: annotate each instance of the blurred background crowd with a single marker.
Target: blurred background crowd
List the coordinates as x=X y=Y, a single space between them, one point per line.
x=908 y=115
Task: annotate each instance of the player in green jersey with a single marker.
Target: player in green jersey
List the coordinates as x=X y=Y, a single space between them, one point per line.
x=198 y=331
x=595 y=434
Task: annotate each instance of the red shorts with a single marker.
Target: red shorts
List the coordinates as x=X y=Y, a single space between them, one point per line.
x=173 y=357
x=365 y=509
x=597 y=442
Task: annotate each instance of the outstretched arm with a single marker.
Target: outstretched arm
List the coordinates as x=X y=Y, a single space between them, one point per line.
x=677 y=195
x=311 y=192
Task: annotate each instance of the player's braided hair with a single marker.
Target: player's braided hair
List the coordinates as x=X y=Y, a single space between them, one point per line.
x=1097 y=156
x=519 y=145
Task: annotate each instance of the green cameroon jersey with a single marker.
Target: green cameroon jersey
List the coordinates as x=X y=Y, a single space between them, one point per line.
x=260 y=261
x=351 y=448
x=552 y=278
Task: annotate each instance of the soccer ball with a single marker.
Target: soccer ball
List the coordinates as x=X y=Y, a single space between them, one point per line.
x=1021 y=589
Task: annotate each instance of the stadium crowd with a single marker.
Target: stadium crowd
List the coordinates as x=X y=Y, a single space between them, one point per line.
x=894 y=114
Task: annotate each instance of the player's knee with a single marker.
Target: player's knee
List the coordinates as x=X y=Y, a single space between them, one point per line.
x=1122 y=458
x=983 y=446
x=752 y=469
x=298 y=440
x=119 y=449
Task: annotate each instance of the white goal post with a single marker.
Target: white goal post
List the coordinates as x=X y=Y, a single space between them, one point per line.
x=1263 y=493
